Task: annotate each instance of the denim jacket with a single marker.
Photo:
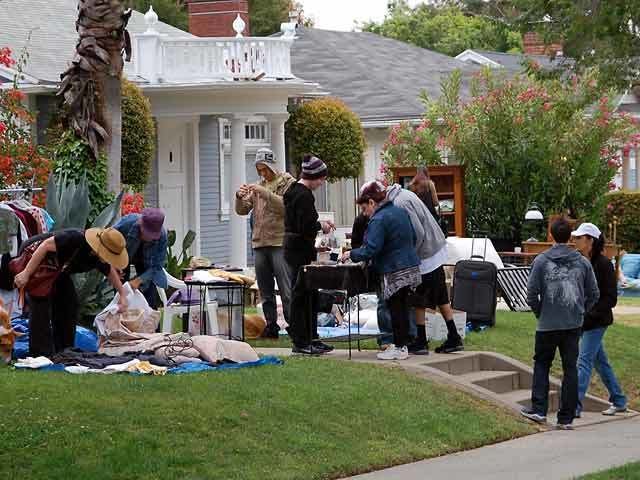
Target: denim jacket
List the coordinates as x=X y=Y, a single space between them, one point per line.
x=154 y=253
x=389 y=241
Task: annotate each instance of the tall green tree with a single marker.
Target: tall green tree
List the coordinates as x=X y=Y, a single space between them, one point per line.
x=173 y=12
x=267 y=15
x=603 y=33
x=445 y=28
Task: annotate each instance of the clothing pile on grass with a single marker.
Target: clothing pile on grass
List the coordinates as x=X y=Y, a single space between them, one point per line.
x=127 y=342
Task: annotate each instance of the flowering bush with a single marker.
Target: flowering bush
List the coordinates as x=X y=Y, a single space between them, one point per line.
x=21 y=162
x=554 y=142
x=411 y=146
x=132 y=203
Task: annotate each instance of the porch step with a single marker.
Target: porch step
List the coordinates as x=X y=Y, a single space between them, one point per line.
x=523 y=397
x=494 y=380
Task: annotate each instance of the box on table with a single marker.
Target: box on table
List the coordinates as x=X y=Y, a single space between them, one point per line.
x=437 y=329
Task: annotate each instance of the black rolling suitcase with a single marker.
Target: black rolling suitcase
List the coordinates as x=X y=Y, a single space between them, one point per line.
x=475 y=288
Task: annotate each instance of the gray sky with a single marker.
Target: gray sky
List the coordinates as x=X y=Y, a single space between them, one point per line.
x=340 y=14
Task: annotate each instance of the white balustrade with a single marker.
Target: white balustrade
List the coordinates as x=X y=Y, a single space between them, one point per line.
x=201 y=59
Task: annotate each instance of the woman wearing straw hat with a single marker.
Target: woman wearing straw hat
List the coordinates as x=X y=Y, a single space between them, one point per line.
x=52 y=319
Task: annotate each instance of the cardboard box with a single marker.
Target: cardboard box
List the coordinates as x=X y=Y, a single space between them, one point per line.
x=437 y=329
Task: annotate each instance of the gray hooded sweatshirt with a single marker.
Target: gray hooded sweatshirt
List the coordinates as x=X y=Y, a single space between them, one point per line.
x=429 y=236
x=561 y=287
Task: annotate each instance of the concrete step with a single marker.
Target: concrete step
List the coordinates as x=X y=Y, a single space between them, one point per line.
x=523 y=397
x=494 y=380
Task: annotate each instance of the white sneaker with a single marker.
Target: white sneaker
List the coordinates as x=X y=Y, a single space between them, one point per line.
x=612 y=410
x=394 y=353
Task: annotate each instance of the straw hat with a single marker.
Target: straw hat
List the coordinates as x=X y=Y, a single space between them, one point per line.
x=109 y=245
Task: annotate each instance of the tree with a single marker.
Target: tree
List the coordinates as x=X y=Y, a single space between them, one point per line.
x=172 y=12
x=138 y=136
x=603 y=33
x=445 y=28
x=91 y=85
x=521 y=140
x=265 y=16
x=328 y=129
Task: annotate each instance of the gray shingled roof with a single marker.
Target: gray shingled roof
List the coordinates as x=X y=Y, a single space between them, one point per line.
x=378 y=78
x=53 y=34
x=513 y=61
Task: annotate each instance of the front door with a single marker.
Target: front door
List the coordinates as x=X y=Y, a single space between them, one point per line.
x=174 y=164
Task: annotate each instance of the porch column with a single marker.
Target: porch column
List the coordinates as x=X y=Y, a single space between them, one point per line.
x=626 y=171
x=238 y=177
x=276 y=124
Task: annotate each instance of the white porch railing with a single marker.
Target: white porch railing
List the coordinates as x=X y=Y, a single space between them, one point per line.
x=181 y=60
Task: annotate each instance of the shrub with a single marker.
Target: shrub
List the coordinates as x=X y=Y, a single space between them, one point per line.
x=22 y=164
x=328 y=129
x=138 y=136
x=521 y=140
x=624 y=207
x=72 y=159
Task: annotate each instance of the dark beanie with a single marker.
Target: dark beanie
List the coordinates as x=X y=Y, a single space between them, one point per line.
x=313 y=168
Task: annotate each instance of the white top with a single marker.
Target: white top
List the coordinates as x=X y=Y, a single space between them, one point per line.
x=430 y=264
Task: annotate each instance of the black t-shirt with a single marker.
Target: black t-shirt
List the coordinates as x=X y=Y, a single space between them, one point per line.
x=71 y=245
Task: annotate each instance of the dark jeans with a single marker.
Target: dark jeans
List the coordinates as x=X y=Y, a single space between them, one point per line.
x=303 y=311
x=52 y=320
x=270 y=263
x=399 y=310
x=567 y=342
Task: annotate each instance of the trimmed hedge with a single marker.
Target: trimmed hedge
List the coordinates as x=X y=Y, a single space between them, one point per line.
x=330 y=130
x=138 y=136
x=625 y=207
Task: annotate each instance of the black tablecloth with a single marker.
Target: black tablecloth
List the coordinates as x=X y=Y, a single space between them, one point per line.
x=352 y=278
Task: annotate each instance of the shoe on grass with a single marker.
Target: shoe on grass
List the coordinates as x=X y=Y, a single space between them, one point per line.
x=306 y=350
x=394 y=353
x=417 y=348
x=322 y=346
x=612 y=410
x=451 y=345
x=533 y=415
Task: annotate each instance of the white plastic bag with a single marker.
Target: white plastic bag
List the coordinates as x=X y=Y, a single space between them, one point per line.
x=135 y=300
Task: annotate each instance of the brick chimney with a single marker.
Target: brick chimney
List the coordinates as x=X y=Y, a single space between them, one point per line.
x=214 y=18
x=534 y=45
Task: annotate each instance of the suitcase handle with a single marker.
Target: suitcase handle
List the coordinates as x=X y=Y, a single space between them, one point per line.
x=473 y=242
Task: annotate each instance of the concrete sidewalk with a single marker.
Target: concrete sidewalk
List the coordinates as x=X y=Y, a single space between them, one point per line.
x=554 y=455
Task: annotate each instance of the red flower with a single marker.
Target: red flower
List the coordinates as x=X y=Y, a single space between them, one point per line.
x=132 y=203
x=3 y=128
x=5 y=57
x=547 y=106
x=16 y=95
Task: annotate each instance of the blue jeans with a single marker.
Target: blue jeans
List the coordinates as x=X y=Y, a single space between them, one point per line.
x=270 y=263
x=592 y=355
x=385 y=325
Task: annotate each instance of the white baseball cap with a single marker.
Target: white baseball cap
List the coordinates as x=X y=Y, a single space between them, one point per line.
x=587 y=229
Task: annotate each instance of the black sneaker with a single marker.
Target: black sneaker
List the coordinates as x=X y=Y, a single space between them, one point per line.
x=322 y=346
x=307 y=350
x=533 y=415
x=451 y=345
x=417 y=348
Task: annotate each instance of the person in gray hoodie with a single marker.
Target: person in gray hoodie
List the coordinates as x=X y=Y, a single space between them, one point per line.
x=561 y=288
x=431 y=248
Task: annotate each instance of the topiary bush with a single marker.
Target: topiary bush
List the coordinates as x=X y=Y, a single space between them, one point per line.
x=330 y=130
x=138 y=137
x=624 y=207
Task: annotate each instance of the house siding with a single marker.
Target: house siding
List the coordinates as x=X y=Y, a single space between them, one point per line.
x=215 y=237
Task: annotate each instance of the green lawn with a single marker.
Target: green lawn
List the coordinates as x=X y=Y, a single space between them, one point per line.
x=513 y=335
x=306 y=419
x=631 y=471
